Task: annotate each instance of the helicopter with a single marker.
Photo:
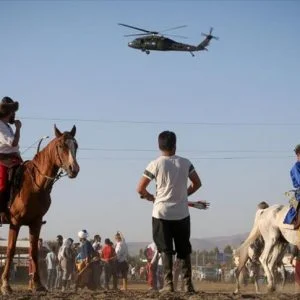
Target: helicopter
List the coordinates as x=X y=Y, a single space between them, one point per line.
x=155 y=40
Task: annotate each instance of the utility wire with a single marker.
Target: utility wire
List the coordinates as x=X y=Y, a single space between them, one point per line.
x=181 y=151
x=160 y=122
x=191 y=158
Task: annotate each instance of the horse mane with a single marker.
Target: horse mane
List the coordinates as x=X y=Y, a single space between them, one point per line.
x=44 y=154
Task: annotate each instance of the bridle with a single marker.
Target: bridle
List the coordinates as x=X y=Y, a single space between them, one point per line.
x=61 y=171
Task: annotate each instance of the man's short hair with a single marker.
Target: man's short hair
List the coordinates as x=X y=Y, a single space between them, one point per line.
x=297 y=149
x=167 y=141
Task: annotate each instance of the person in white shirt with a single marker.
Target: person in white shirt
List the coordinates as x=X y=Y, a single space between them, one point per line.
x=9 y=149
x=170 y=216
x=51 y=261
x=122 y=256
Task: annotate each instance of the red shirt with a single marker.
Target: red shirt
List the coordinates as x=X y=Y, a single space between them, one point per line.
x=108 y=252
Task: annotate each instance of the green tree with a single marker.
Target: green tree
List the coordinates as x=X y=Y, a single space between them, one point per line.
x=228 y=249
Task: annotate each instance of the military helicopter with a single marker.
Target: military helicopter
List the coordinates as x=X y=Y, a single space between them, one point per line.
x=155 y=40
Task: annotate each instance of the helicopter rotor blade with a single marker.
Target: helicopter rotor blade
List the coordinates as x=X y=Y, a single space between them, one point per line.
x=136 y=34
x=176 y=35
x=136 y=28
x=173 y=28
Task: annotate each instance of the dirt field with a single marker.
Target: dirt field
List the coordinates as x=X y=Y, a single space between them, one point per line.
x=207 y=291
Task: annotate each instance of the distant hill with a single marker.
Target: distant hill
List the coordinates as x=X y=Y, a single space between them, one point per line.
x=198 y=244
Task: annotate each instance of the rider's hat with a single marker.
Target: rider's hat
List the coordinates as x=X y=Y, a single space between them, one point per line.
x=7 y=105
x=297 y=149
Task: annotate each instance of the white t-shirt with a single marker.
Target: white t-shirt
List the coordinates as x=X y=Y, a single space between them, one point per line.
x=51 y=260
x=6 y=139
x=171 y=174
x=121 y=251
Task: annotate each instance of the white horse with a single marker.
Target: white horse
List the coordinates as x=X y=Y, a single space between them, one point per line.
x=250 y=263
x=269 y=224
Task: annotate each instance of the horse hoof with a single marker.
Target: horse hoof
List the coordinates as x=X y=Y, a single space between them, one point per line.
x=6 y=290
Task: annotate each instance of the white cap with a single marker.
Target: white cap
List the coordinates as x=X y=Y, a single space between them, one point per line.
x=83 y=234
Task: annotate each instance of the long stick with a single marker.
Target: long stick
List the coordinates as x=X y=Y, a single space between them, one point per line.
x=196 y=204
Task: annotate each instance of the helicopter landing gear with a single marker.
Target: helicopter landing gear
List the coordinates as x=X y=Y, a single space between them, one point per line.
x=192 y=54
x=146 y=51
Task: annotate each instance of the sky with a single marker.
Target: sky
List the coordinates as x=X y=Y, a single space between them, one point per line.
x=234 y=108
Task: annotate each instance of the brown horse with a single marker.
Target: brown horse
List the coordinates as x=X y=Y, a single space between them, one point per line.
x=33 y=200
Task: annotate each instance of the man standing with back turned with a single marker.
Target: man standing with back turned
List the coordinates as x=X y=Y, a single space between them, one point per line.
x=170 y=216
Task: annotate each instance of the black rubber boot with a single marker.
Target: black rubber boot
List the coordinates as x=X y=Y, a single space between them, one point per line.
x=187 y=274
x=168 y=275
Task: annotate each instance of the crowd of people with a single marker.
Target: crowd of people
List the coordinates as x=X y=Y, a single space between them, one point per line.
x=83 y=263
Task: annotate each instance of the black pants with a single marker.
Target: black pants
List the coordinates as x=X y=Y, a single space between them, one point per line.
x=165 y=232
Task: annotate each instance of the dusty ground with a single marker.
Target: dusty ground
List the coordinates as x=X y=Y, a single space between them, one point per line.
x=207 y=291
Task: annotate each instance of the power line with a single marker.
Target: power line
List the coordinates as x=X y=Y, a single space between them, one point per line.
x=159 y=122
x=181 y=151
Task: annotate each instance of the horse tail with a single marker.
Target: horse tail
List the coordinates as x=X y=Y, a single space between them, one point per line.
x=242 y=250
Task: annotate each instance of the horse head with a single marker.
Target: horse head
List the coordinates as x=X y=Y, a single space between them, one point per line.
x=66 y=149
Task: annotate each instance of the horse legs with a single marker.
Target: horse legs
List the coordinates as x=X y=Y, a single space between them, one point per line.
x=34 y=233
x=243 y=257
x=275 y=258
x=12 y=239
x=264 y=259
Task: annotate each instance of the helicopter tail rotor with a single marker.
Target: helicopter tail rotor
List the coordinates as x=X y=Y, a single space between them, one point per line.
x=209 y=35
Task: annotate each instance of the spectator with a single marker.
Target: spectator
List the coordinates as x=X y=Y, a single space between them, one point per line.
x=42 y=253
x=65 y=258
x=98 y=264
x=58 y=282
x=108 y=256
x=51 y=261
x=133 y=273
x=295 y=261
x=151 y=267
x=170 y=215
x=122 y=256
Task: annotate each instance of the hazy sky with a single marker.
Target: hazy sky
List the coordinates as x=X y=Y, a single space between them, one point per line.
x=235 y=108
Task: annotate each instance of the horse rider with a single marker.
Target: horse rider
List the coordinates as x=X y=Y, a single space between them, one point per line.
x=295 y=176
x=9 y=149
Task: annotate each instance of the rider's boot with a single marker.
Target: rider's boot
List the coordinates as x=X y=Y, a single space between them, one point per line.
x=3 y=208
